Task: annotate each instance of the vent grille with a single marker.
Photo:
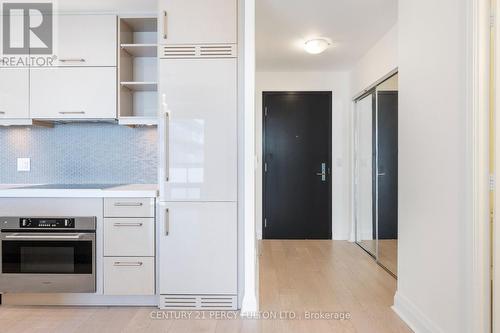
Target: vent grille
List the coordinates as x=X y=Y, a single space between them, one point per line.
x=198 y=51
x=179 y=52
x=198 y=302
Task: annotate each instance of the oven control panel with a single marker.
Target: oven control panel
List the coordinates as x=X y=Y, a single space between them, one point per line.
x=26 y=222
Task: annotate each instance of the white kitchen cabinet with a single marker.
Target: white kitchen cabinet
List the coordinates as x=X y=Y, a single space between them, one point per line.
x=85 y=40
x=14 y=93
x=129 y=276
x=73 y=93
x=129 y=237
x=198 y=248
x=197 y=21
x=198 y=159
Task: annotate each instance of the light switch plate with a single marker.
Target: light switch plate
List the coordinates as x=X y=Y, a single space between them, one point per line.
x=23 y=164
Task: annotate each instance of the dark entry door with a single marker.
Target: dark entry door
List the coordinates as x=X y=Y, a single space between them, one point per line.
x=297 y=162
x=387 y=132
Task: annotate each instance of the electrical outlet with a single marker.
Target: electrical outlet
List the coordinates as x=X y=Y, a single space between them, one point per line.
x=23 y=164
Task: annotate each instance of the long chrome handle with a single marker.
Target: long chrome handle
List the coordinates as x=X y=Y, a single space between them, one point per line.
x=72 y=60
x=165 y=24
x=128 y=263
x=119 y=224
x=72 y=112
x=31 y=237
x=128 y=204
x=166 y=145
x=167 y=222
x=381 y=174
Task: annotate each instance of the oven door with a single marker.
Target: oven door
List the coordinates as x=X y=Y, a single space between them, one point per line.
x=47 y=262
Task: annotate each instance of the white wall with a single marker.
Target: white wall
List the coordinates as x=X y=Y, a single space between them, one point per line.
x=338 y=83
x=432 y=259
x=381 y=59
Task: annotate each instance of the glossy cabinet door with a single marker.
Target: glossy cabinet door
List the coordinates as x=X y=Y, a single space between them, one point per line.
x=85 y=40
x=198 y=248
x=197 y=21
x=14 y=93
x=73 y=93
x=198 y=138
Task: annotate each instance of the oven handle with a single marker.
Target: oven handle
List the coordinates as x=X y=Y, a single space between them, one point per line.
x=19 y=236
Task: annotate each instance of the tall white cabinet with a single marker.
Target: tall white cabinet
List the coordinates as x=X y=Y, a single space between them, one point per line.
x=198 y=154
x=201 y=126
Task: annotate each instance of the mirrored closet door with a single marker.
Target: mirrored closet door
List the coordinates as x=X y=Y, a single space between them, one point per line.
x=376 y=173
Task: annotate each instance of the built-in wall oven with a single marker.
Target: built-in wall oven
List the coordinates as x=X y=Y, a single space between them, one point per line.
x=47 y=254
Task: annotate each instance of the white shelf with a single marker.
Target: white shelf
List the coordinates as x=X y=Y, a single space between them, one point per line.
x=140 y=86
x=131 y=121
x=140 y=50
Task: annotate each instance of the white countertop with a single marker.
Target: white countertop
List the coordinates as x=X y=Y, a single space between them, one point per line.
x=79 y=191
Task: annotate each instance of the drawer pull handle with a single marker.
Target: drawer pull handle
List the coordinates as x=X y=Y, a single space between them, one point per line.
x=72 y=60
x=2 y=112
x=128 y=204
x=125 y=263
x=128 y=224
x=72 y=112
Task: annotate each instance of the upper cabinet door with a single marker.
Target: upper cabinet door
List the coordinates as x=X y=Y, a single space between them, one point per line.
x=73 y=93
x=202 y=140
x=14 y=93
x=85 y=40
x=197 y=21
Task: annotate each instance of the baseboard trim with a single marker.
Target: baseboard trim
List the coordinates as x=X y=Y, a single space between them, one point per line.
x=79 y=300
x=413 y=317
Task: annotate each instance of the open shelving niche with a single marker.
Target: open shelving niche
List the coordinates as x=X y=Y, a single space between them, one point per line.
x=137 y=74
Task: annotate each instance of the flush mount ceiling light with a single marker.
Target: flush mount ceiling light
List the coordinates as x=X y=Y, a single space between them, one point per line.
x=316 y=45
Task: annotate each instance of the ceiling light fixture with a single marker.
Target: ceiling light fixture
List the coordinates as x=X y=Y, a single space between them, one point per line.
x=316 y=45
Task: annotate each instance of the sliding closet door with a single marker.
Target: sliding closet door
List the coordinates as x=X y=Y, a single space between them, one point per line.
x=387 y=174
x=364 y=168
x=376 y=173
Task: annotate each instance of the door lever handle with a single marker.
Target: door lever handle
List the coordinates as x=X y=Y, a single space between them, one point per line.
x=323 y=172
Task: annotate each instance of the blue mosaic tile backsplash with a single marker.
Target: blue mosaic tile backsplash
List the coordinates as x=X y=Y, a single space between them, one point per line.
x=79 y=153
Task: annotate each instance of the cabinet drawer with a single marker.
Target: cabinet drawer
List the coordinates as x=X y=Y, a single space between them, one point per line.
x=129 y=276
x=129 y=237
x=73 y=93
x=129 y=207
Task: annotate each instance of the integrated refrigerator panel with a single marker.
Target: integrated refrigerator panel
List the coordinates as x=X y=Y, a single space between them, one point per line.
x=198 y=248
x=198 y=129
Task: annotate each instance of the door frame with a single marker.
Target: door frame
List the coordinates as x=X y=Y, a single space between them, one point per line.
x=478 y=233
x=330 y=147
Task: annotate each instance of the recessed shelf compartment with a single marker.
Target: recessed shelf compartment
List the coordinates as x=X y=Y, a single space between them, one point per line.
x=138 y=81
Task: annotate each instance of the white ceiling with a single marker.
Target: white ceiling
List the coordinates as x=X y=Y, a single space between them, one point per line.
x=111 y=6
x=353 y=25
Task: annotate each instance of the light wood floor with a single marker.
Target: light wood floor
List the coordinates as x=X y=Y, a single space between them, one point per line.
x=328 y=276
x=387 y=252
